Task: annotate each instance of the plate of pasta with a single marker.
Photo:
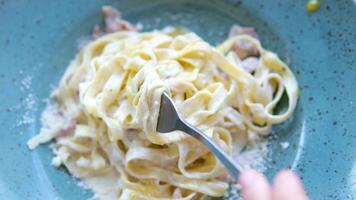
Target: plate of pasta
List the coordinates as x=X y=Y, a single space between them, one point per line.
x=82 y=84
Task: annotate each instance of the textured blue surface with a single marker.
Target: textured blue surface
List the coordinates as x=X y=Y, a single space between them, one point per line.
x=39 y=38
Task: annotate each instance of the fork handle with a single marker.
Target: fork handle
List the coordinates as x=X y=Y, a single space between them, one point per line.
x=224 y=158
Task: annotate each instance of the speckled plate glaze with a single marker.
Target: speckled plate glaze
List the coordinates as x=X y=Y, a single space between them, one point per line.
x=39 y=38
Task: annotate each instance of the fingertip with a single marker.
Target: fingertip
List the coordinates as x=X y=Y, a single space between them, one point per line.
x=287 y=177
x=254 y=186
x=287 y=185
x=284 y=174
x=247 y=178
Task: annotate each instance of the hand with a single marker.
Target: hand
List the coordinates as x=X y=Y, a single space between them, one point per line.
x=286 y=186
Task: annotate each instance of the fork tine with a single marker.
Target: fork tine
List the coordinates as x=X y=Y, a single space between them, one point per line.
x=169 y=120
x=168 y=117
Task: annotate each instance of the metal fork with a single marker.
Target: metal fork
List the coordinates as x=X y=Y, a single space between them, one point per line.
x=170 y=120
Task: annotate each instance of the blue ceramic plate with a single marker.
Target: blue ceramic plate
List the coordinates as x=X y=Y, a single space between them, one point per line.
x=39 y=38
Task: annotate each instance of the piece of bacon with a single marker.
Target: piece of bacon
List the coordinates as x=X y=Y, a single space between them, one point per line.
x=250 y=64
x=244 y=48
x=66 y=129
x=239 y=30
x=96 y=33
x=68 y=124
x=113 y=21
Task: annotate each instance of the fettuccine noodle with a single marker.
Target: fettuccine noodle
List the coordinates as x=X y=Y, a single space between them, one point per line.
x=110 y=95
